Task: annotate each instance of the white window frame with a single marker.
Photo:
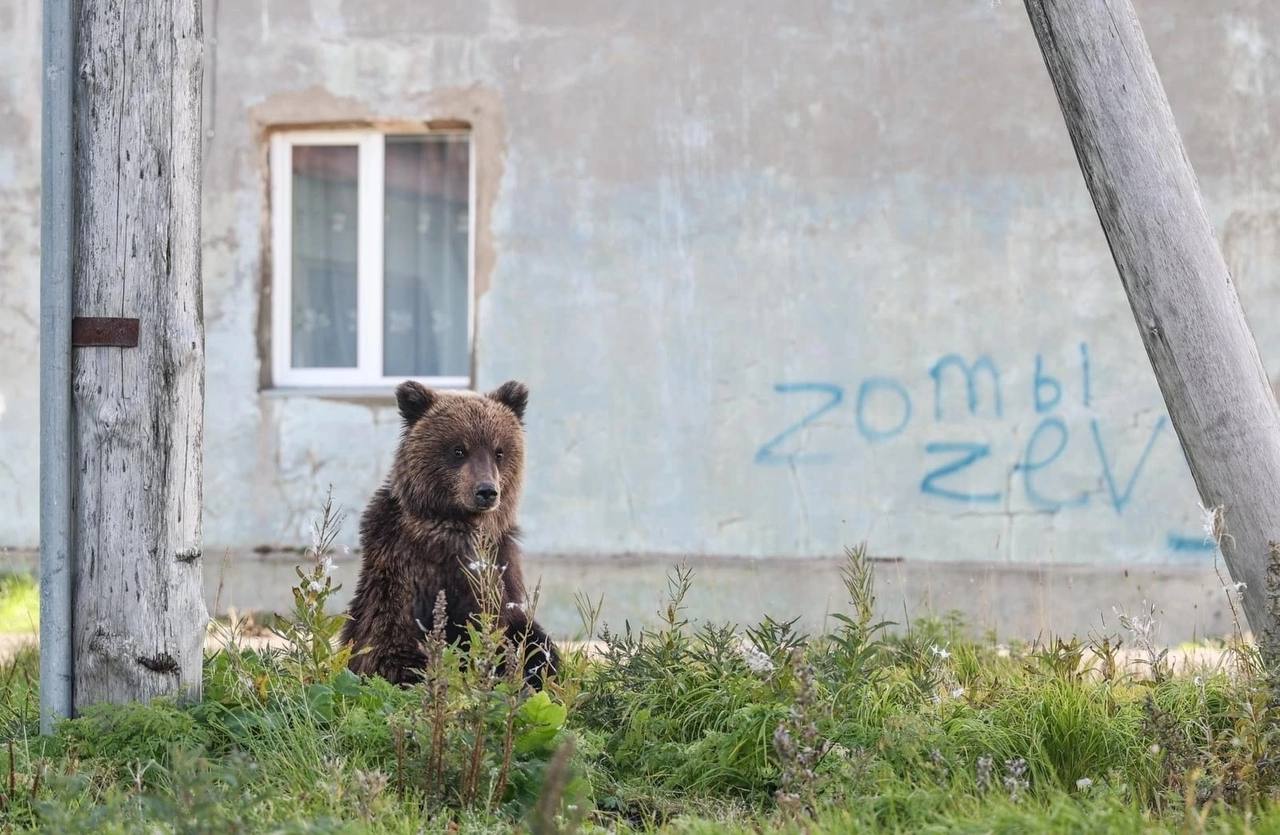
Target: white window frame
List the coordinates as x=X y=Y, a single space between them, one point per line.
x=370 y=187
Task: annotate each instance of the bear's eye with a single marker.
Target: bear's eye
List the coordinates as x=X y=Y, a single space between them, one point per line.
x=459 y=451
x=498 y=455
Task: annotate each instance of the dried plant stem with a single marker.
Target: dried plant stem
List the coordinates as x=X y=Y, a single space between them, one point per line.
x=438 y=693
x=509 y=731
x=553 y=787
x=469 y=786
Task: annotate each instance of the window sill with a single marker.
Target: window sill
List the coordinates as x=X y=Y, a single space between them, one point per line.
x=362 y=394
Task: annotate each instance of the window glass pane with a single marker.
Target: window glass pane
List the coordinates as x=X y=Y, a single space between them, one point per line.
x=324 y=256
x=427 y=220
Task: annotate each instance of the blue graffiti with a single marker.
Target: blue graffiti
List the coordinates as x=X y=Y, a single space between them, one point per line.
x=950 y=469
x=969 y=454
x=1041 y=381
x=766 y=453
x=982 y=363
x=1085 y=382
x=1191 y=544
x=1120 y=498
x=1031 y=465
x=873 y=384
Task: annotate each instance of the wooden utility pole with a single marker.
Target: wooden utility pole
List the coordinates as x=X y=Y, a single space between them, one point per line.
x=137 y=386
x=1185 y=304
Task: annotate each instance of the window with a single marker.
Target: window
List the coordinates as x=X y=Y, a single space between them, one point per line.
x=372 y=265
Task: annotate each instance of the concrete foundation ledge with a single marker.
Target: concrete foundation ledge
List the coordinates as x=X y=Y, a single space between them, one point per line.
x=1013 y=601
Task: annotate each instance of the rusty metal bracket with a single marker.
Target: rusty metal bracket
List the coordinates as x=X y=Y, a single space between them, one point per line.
x=104 y=332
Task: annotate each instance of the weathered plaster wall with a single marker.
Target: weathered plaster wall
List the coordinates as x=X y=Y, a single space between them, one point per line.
x=725 y=244
x=19 y=272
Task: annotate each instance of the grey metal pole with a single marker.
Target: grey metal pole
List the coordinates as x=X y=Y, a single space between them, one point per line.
x=56 y=157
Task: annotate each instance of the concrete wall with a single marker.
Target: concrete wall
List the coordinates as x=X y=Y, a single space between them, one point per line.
x=19 y=272
x=738 y=251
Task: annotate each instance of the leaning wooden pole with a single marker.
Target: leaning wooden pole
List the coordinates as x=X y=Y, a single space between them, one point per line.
x=138 y=364
x=1181 y=293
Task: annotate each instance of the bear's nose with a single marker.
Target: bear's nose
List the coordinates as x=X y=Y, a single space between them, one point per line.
x=486 y=494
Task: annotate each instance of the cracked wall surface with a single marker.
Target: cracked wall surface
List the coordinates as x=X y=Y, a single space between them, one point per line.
x=743 y=260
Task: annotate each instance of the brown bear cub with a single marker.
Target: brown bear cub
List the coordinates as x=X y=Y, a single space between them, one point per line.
x=455 y=481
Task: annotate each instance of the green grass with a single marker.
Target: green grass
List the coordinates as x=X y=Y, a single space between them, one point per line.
x=19 y=603
x=680 y=728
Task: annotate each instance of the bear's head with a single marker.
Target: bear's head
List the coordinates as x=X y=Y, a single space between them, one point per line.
x=462 y=454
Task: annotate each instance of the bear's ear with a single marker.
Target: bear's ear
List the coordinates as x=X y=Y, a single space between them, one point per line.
x=414 y=399
x=513 y=395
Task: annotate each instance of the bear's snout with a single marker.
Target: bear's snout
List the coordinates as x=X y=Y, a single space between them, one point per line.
x=486 y=495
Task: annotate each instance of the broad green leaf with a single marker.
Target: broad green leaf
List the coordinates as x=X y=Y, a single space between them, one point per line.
x=320 y=700
x=539 y=720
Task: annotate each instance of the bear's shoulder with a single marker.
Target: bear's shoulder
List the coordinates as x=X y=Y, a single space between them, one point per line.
x=387 y=530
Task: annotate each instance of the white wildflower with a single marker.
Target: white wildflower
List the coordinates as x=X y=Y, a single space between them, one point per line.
x=1142 y=625
x=1016 y=781
x=476 y=565
x=1198 y=681
x=1214 y=523
x=983 y=769
x=957 y=693
x=1207 y=518
x=1084 y=784
x=756 y=659
x=515 y=605
x=1002 y=651
x=327 y=567
x=1154 y=749
x=941 y=652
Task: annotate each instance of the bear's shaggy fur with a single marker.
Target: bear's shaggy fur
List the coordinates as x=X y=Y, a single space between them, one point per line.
x=456 y=480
